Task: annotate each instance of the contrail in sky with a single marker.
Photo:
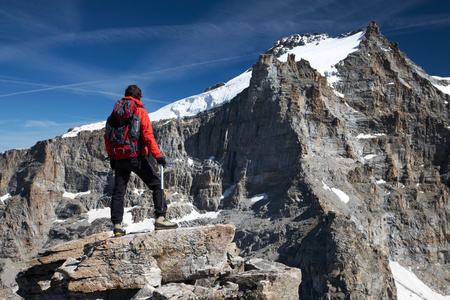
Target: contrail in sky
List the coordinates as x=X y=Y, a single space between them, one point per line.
x=47 y=87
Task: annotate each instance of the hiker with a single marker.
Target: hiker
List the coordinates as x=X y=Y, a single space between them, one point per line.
x=128 y=140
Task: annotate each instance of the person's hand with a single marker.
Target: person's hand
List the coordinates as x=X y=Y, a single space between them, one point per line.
x=112 y=163
x=161 y=161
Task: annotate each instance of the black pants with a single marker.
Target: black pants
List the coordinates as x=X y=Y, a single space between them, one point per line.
x=149 y=176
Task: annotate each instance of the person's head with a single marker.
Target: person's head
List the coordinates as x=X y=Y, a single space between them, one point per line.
x=133 y=91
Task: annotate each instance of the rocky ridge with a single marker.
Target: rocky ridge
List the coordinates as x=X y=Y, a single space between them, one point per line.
x=194 y=263
x=352 y=175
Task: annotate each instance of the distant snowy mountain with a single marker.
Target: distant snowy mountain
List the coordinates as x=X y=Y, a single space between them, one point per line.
x=322 y=51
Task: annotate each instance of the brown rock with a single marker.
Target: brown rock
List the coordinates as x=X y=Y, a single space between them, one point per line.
x=99 y=263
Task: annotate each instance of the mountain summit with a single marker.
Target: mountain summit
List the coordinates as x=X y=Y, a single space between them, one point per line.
x=330 y=155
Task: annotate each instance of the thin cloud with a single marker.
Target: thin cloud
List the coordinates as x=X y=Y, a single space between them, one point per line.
x=73 y=86
x=111 y=35
x=419 y=24
x=41 y=123
x=25 y=19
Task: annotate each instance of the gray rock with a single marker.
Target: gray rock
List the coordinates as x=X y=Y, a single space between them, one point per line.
x=267 y=280
x=181 y=291
x=144 y=293
x=186 y=263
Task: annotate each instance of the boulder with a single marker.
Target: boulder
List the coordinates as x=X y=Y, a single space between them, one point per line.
x=194 y=263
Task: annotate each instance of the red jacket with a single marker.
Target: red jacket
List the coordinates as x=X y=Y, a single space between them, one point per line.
x=146 y=134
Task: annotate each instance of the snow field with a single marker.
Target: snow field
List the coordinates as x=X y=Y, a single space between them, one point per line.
x=324 y=54
x=443 y=88
x=409 y=287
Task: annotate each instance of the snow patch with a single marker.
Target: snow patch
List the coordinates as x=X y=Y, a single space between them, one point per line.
x=74 y=195
x=138 y=192
x=92 y=215
x=105 y=213
x=339 y=94
x=195 y=215
x=370 y=156
x=409 y=287
x=258 y=197
x=228 y=192
x=99 y=213
x=144 y=225
x=341 y=195
x=4 y=197
x=368 y=136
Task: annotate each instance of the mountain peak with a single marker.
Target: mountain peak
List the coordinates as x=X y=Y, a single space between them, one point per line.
x=373 y=27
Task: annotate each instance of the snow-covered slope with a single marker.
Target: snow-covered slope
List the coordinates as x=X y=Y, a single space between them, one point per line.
x=191 y=106
x=409 y=287
x=323 y=51
x=443 y=84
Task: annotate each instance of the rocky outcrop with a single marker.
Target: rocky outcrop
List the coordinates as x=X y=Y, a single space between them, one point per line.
x=187 y=263
x=334 y=179
x=215 y=87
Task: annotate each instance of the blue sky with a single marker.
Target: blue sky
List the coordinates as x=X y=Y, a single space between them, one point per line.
x=64 y=63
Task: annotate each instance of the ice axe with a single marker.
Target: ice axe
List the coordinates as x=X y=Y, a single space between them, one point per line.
x=163 y=192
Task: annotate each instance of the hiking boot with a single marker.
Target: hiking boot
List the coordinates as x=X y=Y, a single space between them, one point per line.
x=118 y=230
x=162 y=223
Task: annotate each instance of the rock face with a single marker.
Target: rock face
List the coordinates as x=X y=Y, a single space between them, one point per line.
x=349 y=175
x=157 y=264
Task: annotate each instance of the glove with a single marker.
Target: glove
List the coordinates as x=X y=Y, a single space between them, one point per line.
x=112 y=163
x=161 y=161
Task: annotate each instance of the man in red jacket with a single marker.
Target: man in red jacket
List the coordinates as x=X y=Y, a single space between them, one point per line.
x=139 y=165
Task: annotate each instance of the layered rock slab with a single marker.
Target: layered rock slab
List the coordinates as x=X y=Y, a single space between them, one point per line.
x=132 y=261
x=202 y=262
